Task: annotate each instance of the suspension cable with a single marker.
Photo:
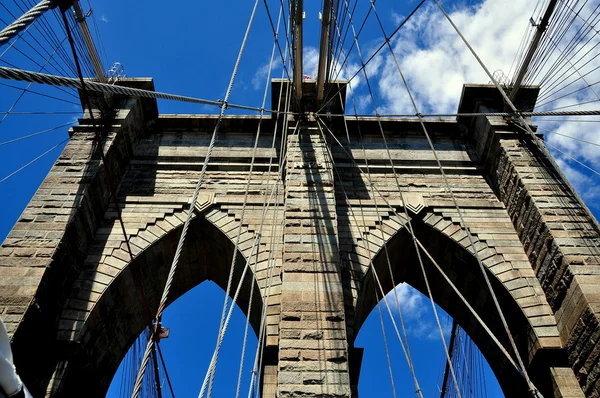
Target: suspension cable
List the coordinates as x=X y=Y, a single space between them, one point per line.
x=24 y=20
x=407 y=352
x=410 y=228
x=418 y=390
x=212 y=368
x=533 y=390
x=54 y=80
x=173 y=268
x=440 y=270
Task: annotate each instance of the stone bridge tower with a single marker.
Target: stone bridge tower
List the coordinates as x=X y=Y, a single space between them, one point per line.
x=68 y=288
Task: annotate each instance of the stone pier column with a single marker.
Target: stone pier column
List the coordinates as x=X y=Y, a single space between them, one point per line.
x=313 y=352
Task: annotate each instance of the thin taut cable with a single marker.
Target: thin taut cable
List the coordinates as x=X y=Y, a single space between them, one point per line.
x=173 y=269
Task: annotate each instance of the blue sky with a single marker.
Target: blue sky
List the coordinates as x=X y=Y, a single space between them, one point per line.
x=190 y=49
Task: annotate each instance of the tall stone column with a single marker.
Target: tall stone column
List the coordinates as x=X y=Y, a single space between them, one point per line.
x=313 y=351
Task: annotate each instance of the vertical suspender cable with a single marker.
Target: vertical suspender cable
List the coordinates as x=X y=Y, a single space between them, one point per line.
x=173 y=269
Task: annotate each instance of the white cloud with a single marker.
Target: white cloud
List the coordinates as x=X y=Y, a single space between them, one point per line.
x=260 y=76
x=436 y=63
x=416 y=310
x=104 y=19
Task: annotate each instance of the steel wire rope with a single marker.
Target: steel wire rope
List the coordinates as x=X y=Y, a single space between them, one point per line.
x=554 y=80
x=568 y=136
x=371 y=267
x=209 y=378
x=36 y=134
x=21 y=36
x=520 y=53
x=76 y=27
x=98 y=35
x=577 y=14
x=568 y=155
x=572 y=120
x=434 y=262
x=406 y=351
x=25 y=90
x=162 y=361
x=173 y=268
x=42 y=67
x=548 y=94
x=340 y=35
x=251 y=296
x=387 y=42
x=33 y=160
x=556 y=24
x=271 y=259
x=533 y=389
x=227 y=318
x=21 y=23
x=541 y=54
x=43 y=113
x=557 y=65
x=112 y=191
x=51 y=38
x=577 y=104
x=41 y=94
x=258 y=132
x=372 y=55
x=363 y=24
x=563 y=54
x=42 y=78
x=588 y=85
x=58 y=67
x=385 y=344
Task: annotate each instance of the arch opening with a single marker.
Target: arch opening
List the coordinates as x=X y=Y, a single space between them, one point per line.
x=119 y=316
x=474 y=376
x=462 y=269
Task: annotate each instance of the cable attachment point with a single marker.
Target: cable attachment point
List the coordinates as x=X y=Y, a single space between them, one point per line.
x=224 y=104
x=160 y=332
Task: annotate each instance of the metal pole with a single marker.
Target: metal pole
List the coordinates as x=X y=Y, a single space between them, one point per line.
x=297 y=17
x=541 y=28
x=323 y=50
x=24 y=20
x=89 y=43
x=156 y=372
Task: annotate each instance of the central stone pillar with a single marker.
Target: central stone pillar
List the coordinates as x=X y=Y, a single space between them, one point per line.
x=313 y=350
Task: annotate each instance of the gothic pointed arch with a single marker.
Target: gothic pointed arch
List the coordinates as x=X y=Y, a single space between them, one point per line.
x=106 y=311
x=528 y=315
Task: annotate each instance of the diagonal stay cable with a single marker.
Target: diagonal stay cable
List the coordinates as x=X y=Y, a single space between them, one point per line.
x=406 y=352
x=569 y=156
x=410 y=227
x=36 y=133
x=222 y=327
x=533 y=390
x=112 y=192
x=365 y=244
x=265 y=94
x=190 y=215
x=34 y=160
x=385 y=343
x=40 y=94
x=569 y=136
x=364 y=65
x=391 y=209
x=48 y=60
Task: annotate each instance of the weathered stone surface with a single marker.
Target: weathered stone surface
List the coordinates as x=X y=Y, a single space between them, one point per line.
x=328 y=238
